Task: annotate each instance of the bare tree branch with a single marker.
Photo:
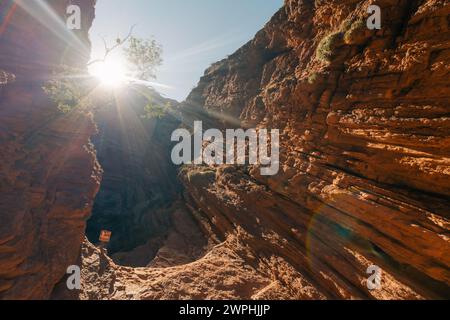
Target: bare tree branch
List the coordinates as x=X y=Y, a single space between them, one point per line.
x=108 y=50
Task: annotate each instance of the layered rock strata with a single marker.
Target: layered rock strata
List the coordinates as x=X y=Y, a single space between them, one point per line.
x=365 y=166
x=364 y=175
x=48 y=173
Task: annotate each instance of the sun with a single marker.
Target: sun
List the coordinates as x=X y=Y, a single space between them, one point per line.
x=110 y=73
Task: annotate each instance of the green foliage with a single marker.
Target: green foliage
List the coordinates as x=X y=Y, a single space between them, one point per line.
x=195 y=172
x=155 y=111
x=144 y=56
x=313 y=78
x=152 y=110
x=346 y=25
x=350 y=32
x=326 y=49
x=68 y=90
x=71 y=88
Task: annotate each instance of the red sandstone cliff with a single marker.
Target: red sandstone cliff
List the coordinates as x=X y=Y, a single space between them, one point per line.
x=365 y=147
x=365 y=168
x=364 y=174
x=48 y=172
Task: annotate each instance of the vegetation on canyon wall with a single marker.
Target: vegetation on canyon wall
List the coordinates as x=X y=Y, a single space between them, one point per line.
x=328 y=46
x=72 y=88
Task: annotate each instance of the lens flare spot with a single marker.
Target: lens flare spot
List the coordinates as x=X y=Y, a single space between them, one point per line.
x=110 y=73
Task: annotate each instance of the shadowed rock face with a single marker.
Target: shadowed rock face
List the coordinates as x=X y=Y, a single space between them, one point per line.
x=139 y=185
x=48 y=174
x=364 y=174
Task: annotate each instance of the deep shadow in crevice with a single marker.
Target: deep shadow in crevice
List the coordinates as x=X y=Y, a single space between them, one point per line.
x=139 y=193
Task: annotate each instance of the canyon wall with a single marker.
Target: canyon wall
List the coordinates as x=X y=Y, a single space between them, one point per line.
x=48 y=173
x=365 y=145
x=364 y=170
x=140 y=192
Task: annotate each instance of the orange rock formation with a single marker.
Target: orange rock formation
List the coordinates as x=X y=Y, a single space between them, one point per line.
x=364 y=179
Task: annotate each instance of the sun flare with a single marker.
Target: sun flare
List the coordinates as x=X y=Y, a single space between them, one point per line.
x=110 y=73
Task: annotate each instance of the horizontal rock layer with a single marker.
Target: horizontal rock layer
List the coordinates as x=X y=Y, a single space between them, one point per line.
x=48 y=173
x=365 y=167
x=364 y=180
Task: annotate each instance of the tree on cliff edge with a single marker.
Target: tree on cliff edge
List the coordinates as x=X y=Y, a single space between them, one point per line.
x=73 y=89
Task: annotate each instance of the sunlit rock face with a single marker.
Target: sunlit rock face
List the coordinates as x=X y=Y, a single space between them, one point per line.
x=32 y=46
x=365 y=148
x=48 y=174
x=364 y=178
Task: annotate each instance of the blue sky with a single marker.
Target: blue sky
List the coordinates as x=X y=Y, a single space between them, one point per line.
x=193 y=33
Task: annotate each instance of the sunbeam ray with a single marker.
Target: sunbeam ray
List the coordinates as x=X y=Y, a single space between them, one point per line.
x=7 y=9
x=207 y=46
x=44 y=14
x=150 y=83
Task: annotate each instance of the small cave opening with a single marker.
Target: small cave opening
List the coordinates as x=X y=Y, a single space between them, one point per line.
x=140 y=200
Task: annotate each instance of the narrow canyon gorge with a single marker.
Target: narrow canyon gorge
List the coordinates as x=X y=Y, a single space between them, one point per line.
x=364 y=180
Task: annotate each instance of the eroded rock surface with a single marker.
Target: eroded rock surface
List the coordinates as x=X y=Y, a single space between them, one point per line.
x=365 y=144
x=364 y=178
x=365 y=167
x=48 y=173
